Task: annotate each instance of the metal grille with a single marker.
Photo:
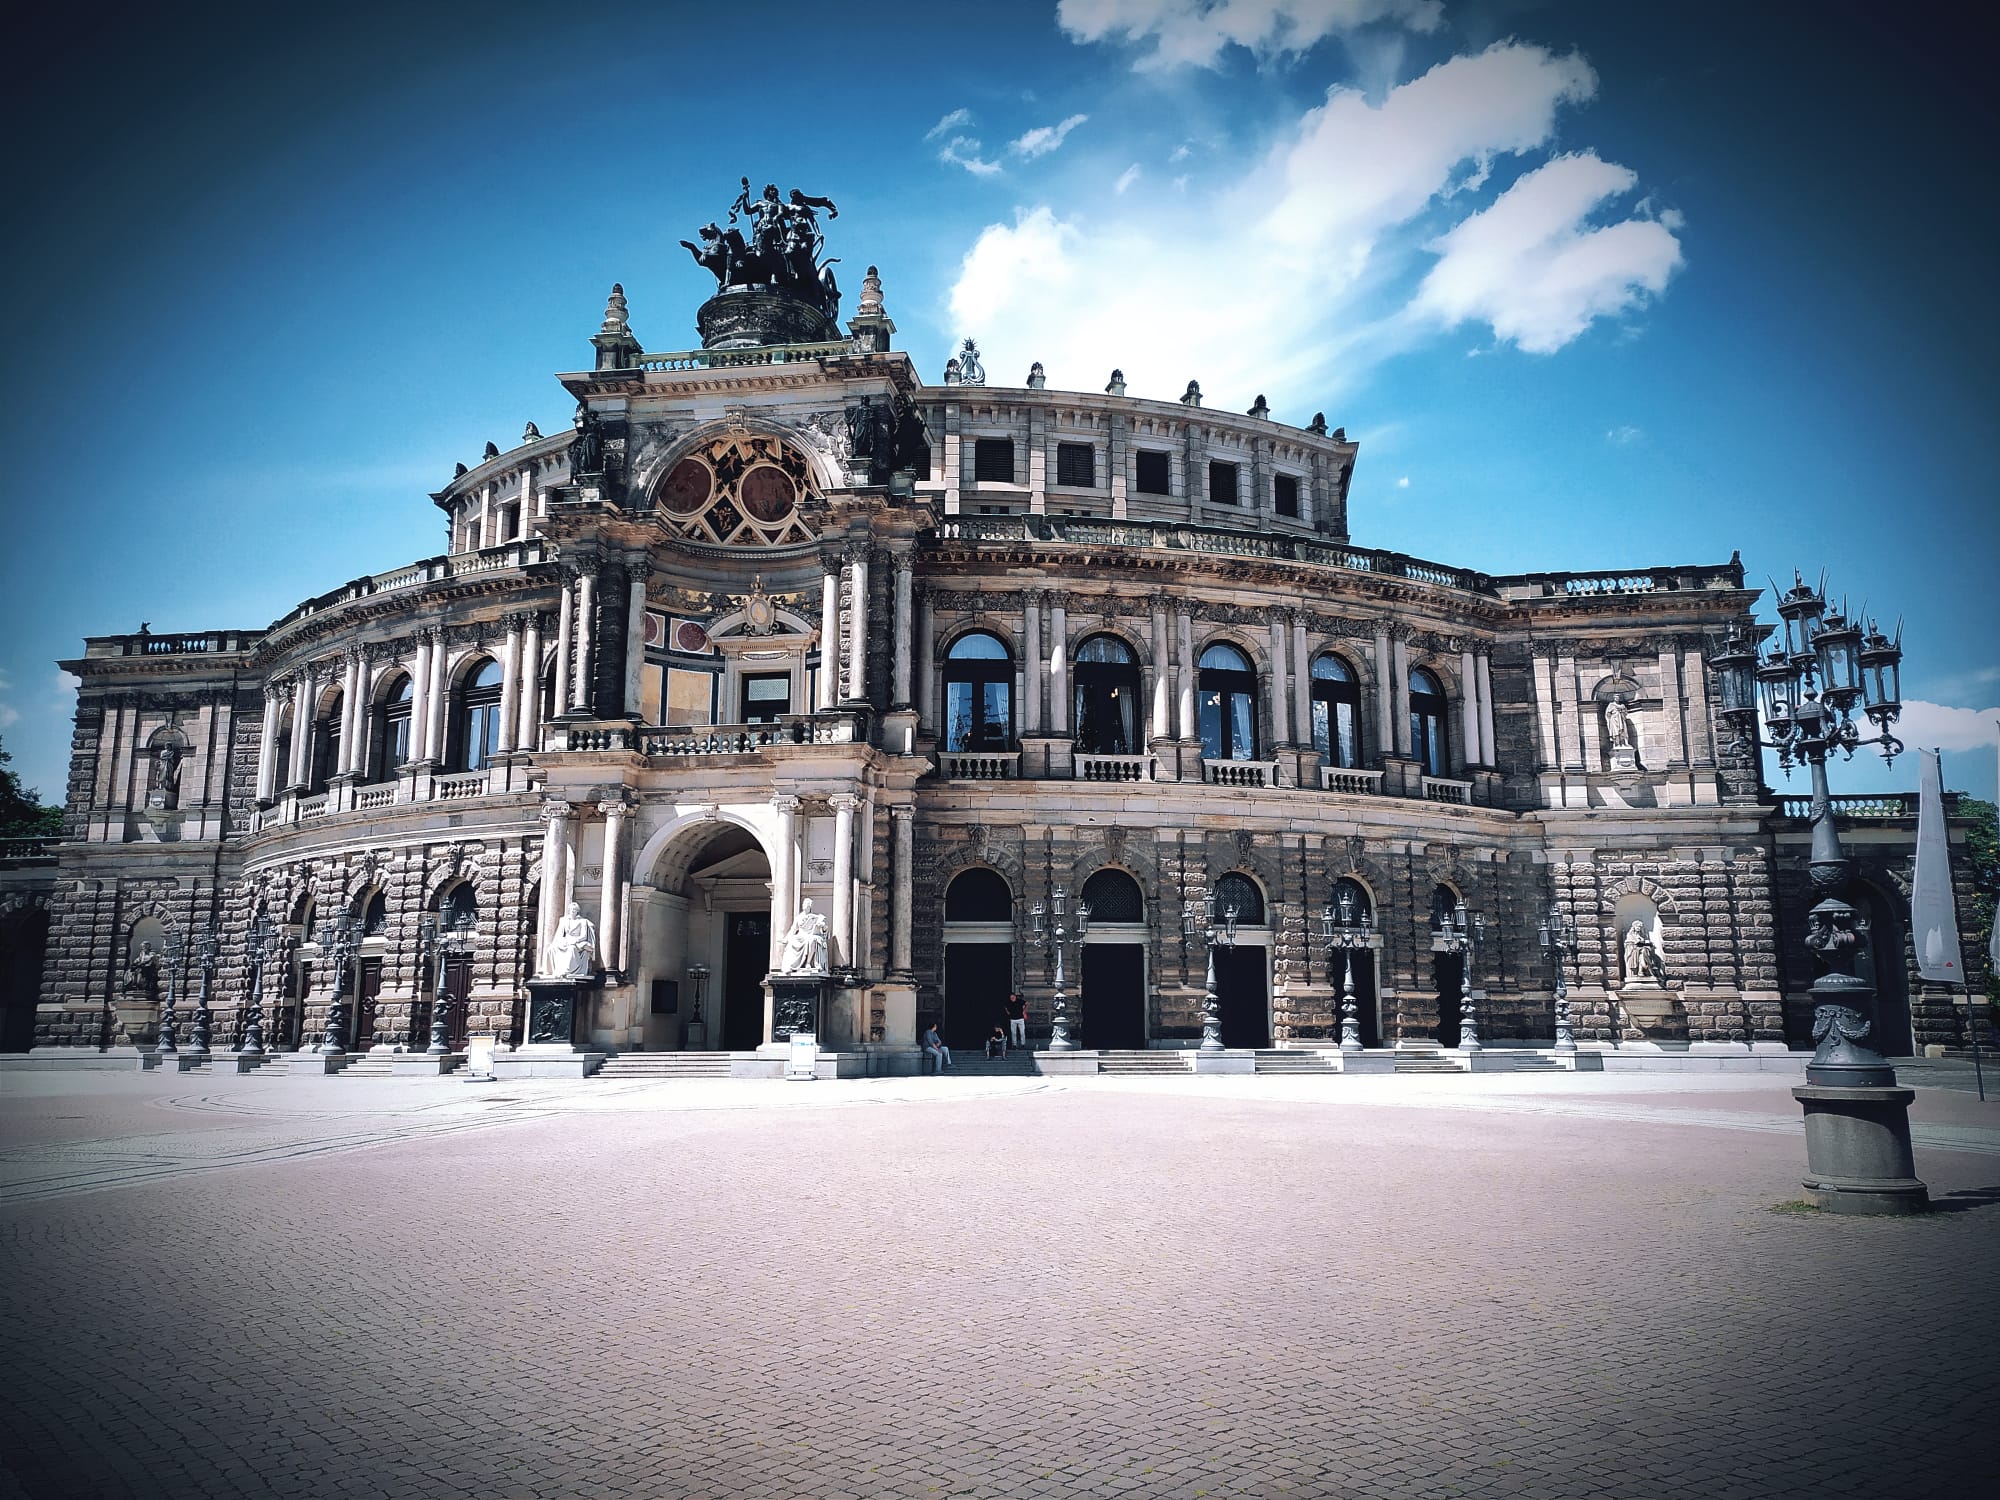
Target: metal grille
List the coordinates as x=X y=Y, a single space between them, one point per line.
x=1114 y=896
x=1241 y=892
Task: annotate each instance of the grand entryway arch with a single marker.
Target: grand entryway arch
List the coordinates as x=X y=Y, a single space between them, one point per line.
x=704 y=915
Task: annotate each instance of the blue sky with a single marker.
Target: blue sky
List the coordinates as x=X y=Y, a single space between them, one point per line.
x=1594 y=286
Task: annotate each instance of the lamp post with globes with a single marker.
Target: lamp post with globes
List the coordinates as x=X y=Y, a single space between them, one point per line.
x=256 y=948
x=175 y=954
x=1345 y=925
x=1558 y=935
x=1049 y=928
x=444 y=941
x=1455 y=933
x=1198 y=921
x=1821 y=667
x=204 y=954
x=336 y=939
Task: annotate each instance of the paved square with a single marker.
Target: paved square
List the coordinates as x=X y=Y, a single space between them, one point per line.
x=1183 y=1287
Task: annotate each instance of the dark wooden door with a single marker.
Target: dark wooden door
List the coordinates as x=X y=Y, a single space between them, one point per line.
x=746 y=960
x=368 y=991
x=978 y=977
x=458 y=989
x=1447 y=970
x=1113 y=999
x=1242 y=996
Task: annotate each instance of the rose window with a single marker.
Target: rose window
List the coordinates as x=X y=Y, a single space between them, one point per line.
x=740 y=490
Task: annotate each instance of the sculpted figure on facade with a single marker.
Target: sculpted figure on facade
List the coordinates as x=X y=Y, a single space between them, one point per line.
x=572 y=950
x=167 y=774
x=1642 y=959
x=805 y=945
x=1618 y=724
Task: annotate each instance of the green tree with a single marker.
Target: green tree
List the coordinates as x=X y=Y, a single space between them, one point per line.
x=22 y=814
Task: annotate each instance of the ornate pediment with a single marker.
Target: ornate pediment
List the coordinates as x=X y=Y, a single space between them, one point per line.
x=739 y=489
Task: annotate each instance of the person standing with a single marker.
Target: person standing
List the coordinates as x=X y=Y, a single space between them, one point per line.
x=1017 y=1020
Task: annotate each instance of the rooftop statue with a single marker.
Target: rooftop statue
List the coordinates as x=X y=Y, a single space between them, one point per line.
x=781 y=251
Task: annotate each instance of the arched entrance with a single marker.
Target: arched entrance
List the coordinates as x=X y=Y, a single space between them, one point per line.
x=1447 y=969
x=1357 y=965
x=978 y=956
x=704 y=942
x=1113 y=997
x=1242 y=972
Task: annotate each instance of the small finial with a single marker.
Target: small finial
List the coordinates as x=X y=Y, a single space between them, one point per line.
x=970 y=370
x=1318 y=425
x=1340 y=434
x=1037 y=378
x=459 y=472
x=1117 y=384
x=532 y=435
x=951 y=372
x=870 y=305
x=492 y=450
x=1192 y=395
x=614 y=311
x=1260 y=407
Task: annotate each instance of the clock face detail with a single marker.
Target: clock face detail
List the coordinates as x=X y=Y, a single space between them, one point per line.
x=740 y=490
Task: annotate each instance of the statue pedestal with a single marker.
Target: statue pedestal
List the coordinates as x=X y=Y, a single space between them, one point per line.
x=798 y=1003
x=1624 y=758
x=1650 y=1010
x=554 y=1013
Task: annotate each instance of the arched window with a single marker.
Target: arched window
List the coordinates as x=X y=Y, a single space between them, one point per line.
x=325 y=744
x=281 y=753
x=979 y=895
x=1228 y=691
x=461 y=904
x=1240 y=891
x=478 y=731
x=1428 y=742
x=978 y=694
x=1114 y=896
x=1107 y=697
x=1336 y=711
x=375 y=916
x=1355 y=896
x=1444 y=901
x=392 y=739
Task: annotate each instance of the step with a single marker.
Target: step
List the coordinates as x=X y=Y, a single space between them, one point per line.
x=665 y=1065
x=1291 y=1060
x=1142 y=1062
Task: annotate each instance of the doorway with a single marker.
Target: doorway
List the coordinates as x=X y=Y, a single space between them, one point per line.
x=746 y=960
x=978 y=977
x=367 y=996
x=1113 y=999
x=1367 y=1009
x=1242 y=997
x=457 y=989
x=1448 y=973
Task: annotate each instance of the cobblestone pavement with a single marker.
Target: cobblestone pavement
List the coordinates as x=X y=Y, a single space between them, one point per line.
x=927 y=1287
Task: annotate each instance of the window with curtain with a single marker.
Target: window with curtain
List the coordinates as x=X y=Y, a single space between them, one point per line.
x=1227 y=690
x=325 y=744
x=478 y=725
x=1107 y=697
x=1336 y=711
x=1429 y=742
x=978 y=694
x=392 y=742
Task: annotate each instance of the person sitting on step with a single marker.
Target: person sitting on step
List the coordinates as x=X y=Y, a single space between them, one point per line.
x=936 y=1052
x=996 y=1044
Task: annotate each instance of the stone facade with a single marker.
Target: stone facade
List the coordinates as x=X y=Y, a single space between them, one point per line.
x=734 y=665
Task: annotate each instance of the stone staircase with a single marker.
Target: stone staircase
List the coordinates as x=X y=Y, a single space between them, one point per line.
x=630 y=1065
x=1132 y=1063
x=968 y=1063
x=1424 y=1060
x=1534 y=1062
x=1288 y=1060
x=367 y=1065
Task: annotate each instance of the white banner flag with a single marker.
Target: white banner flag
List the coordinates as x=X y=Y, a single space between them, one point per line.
x=1933 y=913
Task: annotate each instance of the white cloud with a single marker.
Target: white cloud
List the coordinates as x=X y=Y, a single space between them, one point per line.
x=1622 y=437
x=1278 y=280
x=1537 y=270
x=963 y=151
x=958 y=119
x=9 y=715
x=1933 y=726
x=1126 y=178
x=1179 y=153
x=1045 y=138
x=1195 y=33
x=1403 y=483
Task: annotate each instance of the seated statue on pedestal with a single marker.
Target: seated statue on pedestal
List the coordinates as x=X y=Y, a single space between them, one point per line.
x=572 y=948
x=805 y=945
x=1642 y=959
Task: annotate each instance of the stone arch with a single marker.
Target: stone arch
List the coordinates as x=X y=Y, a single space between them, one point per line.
x=1147 y=904
x=949 y=858
x=949 y=635
x=654 y=467
x=668 y=834
x=467 y=863
x=1637 y=885
x=792 y=623
x=1238 y=639
x=1118 y=629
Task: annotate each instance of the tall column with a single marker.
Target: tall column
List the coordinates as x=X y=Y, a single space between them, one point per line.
x=1031 y=658
x=1488 y=752
x=510 y=685
x=1302 y=712
x=782 y=859
x=565 y=638
x=440 y=662
x=555 y=855
x=1701 y=734
x=857 y=626
x=829 y=638
x=267 y=745
x=905 y=583
x=586 y=636
x=926 y=662
x=1163 y=672
x=420 y=695
x=1057 y=650
x=842 y=922
x=1670 y=706
x=635 y=634
x=1399 y=681
x=903 y=820
x=609 y=907
x=1281 y=703
x=527 y=735
x=1468 y=678
x=1385 y=695
x=302 y=725
x=1190 y=725
x=350 y=714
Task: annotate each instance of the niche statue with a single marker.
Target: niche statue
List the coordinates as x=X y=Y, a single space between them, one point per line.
x=805 y=944
x=572 y=948
x=1642 y=960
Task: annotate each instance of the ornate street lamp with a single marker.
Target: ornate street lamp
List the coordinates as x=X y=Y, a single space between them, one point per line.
x=169 y=1018
x=1820 y=668
x=446 y=941
x=697 y=992
x=204 y=951
x=1558 y=935
x=257 y=944
x=1198 y=922
x=337 y=939
x=1455 y=934
x=1345 y=925
x=1048 y=928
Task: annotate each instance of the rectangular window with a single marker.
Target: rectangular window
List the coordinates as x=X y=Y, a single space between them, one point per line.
x=993 y=461
x=1222 y=484
x=1076 y=464
x=766 y=696
x=1285 y=495
x=690 y=696
x=1155 y=472
x=994 y=510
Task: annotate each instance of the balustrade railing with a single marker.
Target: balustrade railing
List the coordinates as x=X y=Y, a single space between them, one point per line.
x=461 y=784
x=1354 y=783
x=696 y=740
x=375 y=796
x=968 y=765
x=1881 y=805
x=1444 y=789
x=312 y=807
x=1116 y=768
x=1240 y=772
x=767 y=354
x=38 y=846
